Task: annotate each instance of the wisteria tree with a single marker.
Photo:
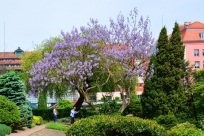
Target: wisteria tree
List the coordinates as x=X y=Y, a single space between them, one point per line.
x=119 y=51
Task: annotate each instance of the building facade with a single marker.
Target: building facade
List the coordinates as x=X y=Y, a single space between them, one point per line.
x=11 y=60
x=192 y=35
x=193 y=40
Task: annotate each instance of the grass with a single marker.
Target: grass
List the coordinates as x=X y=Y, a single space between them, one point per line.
x=57 y=126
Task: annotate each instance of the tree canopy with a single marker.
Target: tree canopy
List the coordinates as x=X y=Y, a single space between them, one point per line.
x=125 y=43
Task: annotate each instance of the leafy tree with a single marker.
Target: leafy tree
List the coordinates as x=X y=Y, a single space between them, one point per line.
x=198 y=90
x=164 y=92
x=30 y=58
x=12 y=87
x=124 y=44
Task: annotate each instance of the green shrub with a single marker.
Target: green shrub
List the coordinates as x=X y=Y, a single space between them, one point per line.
x=184 y=129
x=117 y=99
x=108 y=107
x=167 y=121
x=42 y=100
x=134 y=107
x=64 y=104
x=13 y=88
x=37 y=120
x=56 y=126
x=4 y=130
x=104 y=125
x=9 y=113
x=26 y=115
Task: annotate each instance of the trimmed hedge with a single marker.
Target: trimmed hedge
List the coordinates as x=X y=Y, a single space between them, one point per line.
x=46 y=114
x=103 y=125
x=4 y=130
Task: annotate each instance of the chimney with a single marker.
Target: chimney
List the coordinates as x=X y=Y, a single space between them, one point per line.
x=186 y=24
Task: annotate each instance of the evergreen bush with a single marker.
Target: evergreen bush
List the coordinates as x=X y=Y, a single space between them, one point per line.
x=104 y=125
x=12 y=87
x=42 y=100
x=4 y=130
x=9 y=113
x=184 y=129
x=168 y=121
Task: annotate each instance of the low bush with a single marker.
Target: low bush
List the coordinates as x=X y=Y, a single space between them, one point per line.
x=103 y=125
x=9 y=113
x=134 y=107
x=37 y=120
x=4 y=130
x=26 y=115
x=64 y=104
x=56 y=126
x=117 y=99
x=108 y=106
x=167 y=121
x=184 y=129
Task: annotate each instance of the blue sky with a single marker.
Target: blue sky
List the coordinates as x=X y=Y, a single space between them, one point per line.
x=29 y=22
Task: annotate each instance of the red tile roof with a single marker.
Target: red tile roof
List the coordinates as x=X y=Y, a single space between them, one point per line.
x=8 y=55
x=191 y=31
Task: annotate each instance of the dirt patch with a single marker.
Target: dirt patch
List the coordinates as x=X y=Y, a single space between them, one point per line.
x=48 y=132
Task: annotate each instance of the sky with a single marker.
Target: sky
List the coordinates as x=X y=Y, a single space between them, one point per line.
x=26 y=23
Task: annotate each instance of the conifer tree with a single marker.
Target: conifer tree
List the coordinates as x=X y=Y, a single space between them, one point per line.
x=153 y=96
x=12 y=87
x=164 y=91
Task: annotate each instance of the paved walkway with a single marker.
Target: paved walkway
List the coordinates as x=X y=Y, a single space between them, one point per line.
x=28 y=131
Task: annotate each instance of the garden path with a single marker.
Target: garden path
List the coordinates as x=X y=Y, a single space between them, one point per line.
x=27 y=132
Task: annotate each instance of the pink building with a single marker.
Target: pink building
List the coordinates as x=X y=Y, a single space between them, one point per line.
x=193 y=40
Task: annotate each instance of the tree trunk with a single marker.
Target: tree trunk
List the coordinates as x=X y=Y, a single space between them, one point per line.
x=125 y=99
x=79 y=102
x=83 y=96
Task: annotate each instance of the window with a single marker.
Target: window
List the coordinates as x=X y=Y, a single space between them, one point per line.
x=197 y=64
x=203 y=64
x=203 y=52
x=202 y=35
x=196 y=52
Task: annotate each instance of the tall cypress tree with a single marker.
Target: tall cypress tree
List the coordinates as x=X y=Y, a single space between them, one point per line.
x=177 y=98
x=164 y=91
x=153 y=96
